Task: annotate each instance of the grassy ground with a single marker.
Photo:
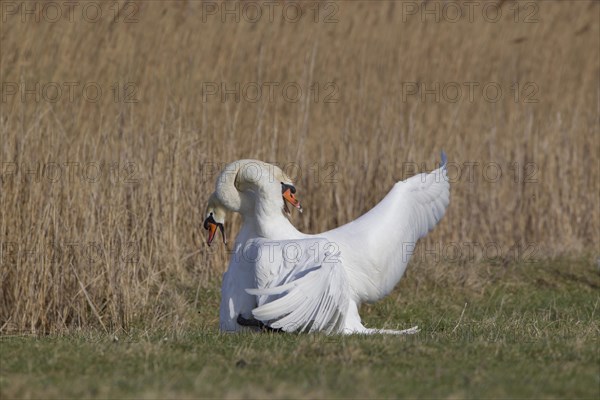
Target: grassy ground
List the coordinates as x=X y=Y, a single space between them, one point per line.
x=529 y=330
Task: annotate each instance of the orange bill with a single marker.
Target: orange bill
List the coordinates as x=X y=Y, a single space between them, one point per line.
x=211 y=226
x=290 y=197
x=212 y=230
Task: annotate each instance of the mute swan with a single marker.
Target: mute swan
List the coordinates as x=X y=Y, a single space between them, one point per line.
x=321 y=287
x=234 y=192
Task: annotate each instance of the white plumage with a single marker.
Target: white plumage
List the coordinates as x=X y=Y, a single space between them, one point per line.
x=306 y=291
x=322 y=284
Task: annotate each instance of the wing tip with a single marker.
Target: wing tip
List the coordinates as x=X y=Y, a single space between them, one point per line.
x=444 y=160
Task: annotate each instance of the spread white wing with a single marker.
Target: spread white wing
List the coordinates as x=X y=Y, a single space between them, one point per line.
x=302 y=285
x=378 y=245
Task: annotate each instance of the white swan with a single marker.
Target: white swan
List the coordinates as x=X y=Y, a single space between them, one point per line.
x=236 y=190
x=320 y=285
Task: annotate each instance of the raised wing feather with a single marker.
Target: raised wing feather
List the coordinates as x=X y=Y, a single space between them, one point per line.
x=426 y=196
x=378 y=245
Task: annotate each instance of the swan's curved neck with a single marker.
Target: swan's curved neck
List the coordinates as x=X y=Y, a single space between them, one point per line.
x=248 y=187
x=266 y=219
x=228 y=195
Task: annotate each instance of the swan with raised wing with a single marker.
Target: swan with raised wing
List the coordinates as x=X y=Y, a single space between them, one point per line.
x=317 y=282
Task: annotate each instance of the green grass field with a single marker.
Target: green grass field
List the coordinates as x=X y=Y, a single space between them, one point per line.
x=531 y=330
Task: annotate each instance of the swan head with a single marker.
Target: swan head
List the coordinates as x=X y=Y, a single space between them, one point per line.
x=268 y=182
x=288 y=192
x=215 y=218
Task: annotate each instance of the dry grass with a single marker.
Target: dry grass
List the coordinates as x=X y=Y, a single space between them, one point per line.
x=115 y=251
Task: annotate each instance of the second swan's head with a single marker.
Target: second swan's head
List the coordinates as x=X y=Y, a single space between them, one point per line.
x=215 y=218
